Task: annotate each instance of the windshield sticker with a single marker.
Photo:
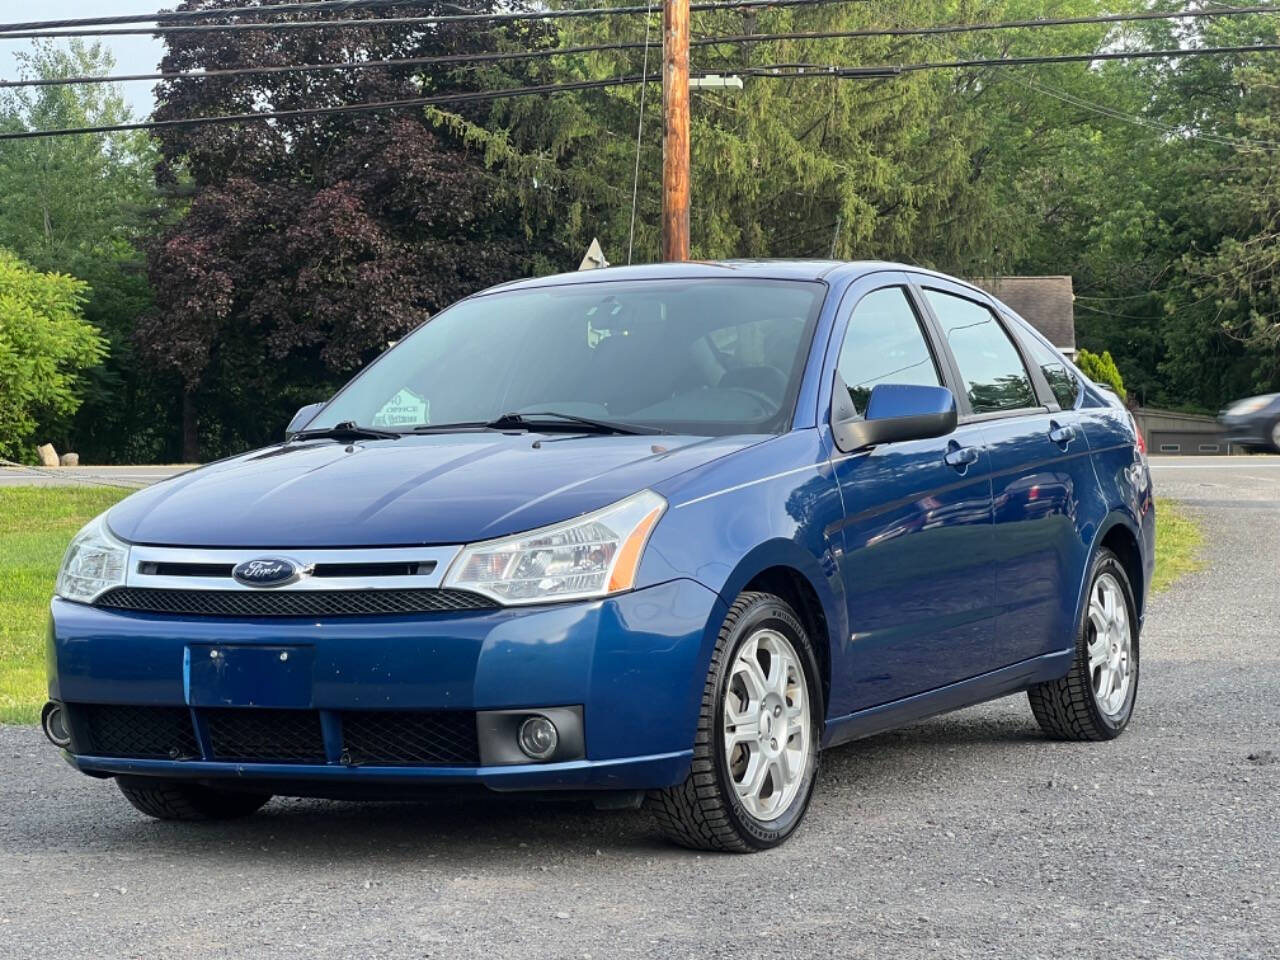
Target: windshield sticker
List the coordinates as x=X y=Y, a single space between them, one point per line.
x=404 y=409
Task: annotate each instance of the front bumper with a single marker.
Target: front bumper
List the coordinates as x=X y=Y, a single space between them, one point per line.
x=634 y=664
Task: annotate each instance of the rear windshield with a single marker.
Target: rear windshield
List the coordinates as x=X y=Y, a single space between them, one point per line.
x=708 y=357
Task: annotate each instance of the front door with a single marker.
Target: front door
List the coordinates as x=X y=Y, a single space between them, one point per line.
x=1040 y=468
x=917 y=529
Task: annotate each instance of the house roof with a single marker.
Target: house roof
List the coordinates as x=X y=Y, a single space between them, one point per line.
x=1047 y=303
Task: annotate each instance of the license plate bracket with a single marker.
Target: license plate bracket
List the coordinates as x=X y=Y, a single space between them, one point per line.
x=230 y=675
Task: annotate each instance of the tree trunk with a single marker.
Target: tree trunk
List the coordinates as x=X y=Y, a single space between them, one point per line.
x=190 y=429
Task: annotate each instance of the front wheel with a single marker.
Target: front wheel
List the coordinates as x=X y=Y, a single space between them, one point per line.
x=174 y=800
x=755 y=757
x=1094 y=701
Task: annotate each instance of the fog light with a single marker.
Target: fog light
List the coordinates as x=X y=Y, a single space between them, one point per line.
x=54 y=721
x=538 y=738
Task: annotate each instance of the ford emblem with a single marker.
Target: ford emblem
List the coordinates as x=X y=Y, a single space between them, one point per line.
x=267 y=572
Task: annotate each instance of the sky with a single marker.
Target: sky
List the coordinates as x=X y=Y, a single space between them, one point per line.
x=133 y=54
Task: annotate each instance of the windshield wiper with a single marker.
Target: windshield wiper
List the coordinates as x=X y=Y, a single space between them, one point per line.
x=531 y=420
x=461 y=426
x=347 y=430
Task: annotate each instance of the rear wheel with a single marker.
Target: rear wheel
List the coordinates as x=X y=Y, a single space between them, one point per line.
x=755 y=755
x=1094 y=701
x=172 y=800
x=1275 y=436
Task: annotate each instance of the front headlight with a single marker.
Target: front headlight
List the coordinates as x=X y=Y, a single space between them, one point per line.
x=1246 y=407
x=592 y=556
x=94 y=563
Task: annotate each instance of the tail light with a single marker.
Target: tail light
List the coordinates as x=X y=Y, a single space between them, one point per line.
x=1139 y=439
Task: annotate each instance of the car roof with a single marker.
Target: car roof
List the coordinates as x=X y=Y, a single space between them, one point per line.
x=709 y=269
x=763 y=269
x=812 y=270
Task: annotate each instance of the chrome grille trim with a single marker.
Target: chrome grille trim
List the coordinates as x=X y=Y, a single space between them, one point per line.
x=435 y=561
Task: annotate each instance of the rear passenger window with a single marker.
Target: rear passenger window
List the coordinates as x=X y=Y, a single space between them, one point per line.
x=1062 y=382
x=990 y=366
x=884 y=344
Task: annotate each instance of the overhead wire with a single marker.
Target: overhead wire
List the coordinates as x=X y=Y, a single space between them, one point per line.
x=833 y=70
x=183 y=16
x=778 y=70
x=548 y=52
x=365 y=22
x=960 y=28
x=635 y=183
x=1168 y=129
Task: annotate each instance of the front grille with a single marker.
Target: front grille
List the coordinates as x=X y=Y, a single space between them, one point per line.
x=408 y=738
x=265 y=736
x=143 y=733
x=291 y=603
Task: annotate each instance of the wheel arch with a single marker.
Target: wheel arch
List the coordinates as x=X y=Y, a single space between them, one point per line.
x=782 y=568
x=1119 y=534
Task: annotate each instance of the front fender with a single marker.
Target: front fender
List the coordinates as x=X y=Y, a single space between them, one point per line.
x=772 y=505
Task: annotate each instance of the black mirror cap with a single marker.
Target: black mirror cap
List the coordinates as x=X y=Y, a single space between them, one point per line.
x=895 y=412
x=302 y=418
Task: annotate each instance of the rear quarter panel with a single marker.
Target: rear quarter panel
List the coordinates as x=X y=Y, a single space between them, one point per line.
x=1124 y=483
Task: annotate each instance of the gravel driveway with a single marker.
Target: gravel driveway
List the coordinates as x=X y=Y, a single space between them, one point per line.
x=964 y=836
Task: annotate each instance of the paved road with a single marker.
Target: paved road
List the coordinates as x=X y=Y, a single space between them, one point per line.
x=962 y=837
x=77 y=476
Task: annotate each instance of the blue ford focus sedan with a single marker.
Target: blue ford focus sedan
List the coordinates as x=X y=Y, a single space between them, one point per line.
x=651 y=535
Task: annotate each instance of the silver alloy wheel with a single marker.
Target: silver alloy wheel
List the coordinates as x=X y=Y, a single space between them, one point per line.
x=1110 y=645
x=767 y=738
x=1275 y=435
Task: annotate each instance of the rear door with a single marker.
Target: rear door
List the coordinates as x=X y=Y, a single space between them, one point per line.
x=1024 y=402
x=917 y=528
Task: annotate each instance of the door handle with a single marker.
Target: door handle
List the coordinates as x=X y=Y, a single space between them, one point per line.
x=961 y=457
x=1062 y=436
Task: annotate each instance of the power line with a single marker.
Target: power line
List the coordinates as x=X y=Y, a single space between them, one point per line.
x=635 y=182
x=819 y=70
x=777 y=70
x=955 y=28
x=1141 y=121
x=499 y=56
x=505 y=17
x=166 y=16
x=373 y=106
x=442 y=60
x=344 y=6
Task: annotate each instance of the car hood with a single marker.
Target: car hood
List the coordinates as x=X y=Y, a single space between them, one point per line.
x=434 y=489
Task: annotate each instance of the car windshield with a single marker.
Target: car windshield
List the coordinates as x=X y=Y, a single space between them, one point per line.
x=709 y=357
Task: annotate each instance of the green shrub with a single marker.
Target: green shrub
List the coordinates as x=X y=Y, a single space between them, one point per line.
x=45 y=343
x=1101 y=369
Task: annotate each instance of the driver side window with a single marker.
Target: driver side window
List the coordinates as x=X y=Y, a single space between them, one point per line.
x=885 y=344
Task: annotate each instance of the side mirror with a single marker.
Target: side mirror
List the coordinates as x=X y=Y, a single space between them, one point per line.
x=895 y=411
x=302 y=418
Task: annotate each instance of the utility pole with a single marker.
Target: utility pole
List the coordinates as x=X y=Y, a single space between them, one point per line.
x=675 y=136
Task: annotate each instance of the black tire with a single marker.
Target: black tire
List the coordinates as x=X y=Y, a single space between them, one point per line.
x=704 y=812
x=1067 y=709
x=172 y=800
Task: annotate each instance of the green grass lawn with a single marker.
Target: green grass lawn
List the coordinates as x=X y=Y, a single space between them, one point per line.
x=1178 y=543
x=36 y=523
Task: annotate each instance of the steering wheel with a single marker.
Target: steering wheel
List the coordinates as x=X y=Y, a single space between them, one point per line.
x=767 y=404
x=759 y=381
